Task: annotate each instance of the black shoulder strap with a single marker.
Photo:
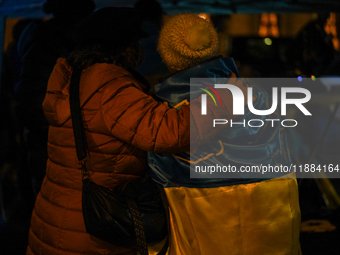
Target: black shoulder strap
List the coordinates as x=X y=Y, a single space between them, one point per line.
x=81 y=147
x=77 y=121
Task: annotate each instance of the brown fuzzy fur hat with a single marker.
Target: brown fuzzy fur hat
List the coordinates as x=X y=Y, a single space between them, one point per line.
x=187 y=40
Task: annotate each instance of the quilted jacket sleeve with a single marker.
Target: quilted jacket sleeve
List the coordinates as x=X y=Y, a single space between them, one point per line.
x=136 y=118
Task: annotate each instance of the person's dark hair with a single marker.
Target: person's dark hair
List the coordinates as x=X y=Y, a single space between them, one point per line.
x=130 y=57
x=151 y=10
x=69 y=9
x=104 y=38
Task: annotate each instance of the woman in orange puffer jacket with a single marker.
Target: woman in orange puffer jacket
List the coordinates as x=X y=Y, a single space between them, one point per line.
x=121 y=122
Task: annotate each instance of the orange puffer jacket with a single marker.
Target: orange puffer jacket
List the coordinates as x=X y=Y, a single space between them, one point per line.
x=121 y=123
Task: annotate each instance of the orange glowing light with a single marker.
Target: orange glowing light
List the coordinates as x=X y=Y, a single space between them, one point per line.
x=205 y=16
x=330 y=29
x=269 y=26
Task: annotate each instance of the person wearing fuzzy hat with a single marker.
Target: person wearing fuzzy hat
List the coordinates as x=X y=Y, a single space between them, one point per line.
x=239 y=214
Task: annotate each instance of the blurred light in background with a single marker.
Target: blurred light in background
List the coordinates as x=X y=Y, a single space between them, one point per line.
x=205 y=16
x=268 y=26
x=267 y=41
x=330 y=29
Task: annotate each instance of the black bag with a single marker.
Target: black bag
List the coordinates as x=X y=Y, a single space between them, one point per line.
x=132 y=215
